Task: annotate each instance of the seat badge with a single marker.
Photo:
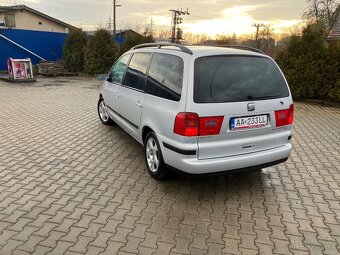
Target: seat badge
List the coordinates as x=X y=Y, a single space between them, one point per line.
x=251 y=106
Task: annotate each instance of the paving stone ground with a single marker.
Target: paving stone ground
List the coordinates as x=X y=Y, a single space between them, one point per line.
x=70 y=185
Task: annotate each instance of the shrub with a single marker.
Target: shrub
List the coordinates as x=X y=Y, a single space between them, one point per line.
x=311 y=68
x=331 y=90
x=73 y=51
x=132 y=40
x=101 y=52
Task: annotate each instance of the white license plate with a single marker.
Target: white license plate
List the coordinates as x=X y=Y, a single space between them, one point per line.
x=248 y=122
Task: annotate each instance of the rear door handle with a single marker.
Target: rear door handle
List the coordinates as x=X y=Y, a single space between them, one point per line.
x=139 y=105
x=117 y=95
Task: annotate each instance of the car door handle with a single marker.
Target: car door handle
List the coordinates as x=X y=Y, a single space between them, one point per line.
x=117 y=95
x=139 y=105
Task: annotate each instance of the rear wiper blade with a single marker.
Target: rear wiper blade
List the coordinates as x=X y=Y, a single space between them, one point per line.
x=263 y=97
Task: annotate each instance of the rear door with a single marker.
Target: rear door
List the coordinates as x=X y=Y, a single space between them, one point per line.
x=132 y=92
x=243 y=93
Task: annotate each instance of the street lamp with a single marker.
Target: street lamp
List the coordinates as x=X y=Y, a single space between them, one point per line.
x=114 y=19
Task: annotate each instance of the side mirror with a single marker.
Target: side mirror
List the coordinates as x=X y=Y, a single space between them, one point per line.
x=101 y=77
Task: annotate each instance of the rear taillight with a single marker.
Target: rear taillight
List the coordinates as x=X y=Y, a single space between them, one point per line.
x=189 y=124
x=291 y=114
x=210 y=125
x=284 y=117
x=186 y=124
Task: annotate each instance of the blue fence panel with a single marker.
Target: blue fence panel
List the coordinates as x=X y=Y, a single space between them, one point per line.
x=48 y=45
x=120 y=39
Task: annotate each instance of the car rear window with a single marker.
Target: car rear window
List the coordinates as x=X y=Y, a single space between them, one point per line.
x=221 y=79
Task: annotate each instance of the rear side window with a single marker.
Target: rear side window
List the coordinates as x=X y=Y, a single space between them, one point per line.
x=136 y=73
x=221 y=79
x=165 y=77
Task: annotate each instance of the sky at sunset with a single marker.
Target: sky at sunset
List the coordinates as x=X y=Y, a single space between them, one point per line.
x=207 y=16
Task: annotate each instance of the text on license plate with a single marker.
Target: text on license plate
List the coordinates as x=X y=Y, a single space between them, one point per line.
x=249 y=122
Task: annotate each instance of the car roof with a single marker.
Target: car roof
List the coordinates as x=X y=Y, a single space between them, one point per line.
x=216 y=50
x=197 y=51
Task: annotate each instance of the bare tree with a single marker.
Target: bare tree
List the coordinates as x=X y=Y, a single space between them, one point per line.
x=329 y=8
x=265 y=38
x=199 y=39
x=312 y=10
x=322 y=11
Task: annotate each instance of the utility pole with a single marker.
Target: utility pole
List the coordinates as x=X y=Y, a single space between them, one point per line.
x=176 y=19
x=258 y=25
x=114 y=18
x=151 y=27
x=109 y=24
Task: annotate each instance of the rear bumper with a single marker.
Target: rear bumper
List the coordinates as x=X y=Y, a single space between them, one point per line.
x=190 y=163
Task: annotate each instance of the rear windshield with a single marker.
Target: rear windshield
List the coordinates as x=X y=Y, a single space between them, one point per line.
x=221 y=79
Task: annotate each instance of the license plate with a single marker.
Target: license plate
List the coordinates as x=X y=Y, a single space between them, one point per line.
x=248 y=122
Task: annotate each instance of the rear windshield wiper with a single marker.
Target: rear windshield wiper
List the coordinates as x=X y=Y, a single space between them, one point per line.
x=263 y=97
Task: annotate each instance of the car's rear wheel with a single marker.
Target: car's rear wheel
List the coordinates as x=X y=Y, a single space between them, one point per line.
x=154 y=158
x=102 y=112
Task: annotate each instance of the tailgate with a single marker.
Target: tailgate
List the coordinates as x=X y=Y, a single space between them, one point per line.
x=231 y=140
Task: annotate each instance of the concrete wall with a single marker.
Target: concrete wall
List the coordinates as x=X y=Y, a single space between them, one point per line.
x=31 y=21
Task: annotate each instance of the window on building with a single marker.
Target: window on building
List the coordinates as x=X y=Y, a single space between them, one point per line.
x=10 y=20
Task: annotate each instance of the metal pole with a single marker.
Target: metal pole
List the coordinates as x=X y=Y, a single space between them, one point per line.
x=173 y=34
x=114 y=20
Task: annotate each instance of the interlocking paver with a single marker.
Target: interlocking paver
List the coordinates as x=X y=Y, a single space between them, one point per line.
x=31 y=244
x=10 y=246
x=70 y=185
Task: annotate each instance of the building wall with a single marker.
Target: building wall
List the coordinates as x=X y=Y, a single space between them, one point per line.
x=30 y=21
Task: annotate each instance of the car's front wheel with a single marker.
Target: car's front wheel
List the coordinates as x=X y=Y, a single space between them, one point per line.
x=154 y=158
x=102 y=112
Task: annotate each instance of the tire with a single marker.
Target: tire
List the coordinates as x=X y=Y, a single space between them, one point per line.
x=102 y=113
x=154 y=158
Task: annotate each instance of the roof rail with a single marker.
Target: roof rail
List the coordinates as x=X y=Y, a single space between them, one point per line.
x=159 y=45
x=241 y=47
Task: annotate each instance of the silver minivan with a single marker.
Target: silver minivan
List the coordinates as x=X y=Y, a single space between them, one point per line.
x=200 y=109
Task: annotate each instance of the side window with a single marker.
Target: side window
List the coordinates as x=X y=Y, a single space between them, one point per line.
x=165 y=77
x=118 y=70
x=136 y=73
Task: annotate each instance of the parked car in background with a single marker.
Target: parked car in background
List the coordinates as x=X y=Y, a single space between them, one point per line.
x=200 y=109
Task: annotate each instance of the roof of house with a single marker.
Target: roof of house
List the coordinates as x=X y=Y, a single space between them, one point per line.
x=118 y=32
x=122 y=32
x=24 y=7
x=335 y=31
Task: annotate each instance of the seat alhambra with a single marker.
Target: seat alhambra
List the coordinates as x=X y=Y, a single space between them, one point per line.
x=200 y=109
